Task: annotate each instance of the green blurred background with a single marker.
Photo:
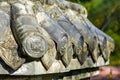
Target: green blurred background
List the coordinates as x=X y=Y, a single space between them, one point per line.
x=105 y=14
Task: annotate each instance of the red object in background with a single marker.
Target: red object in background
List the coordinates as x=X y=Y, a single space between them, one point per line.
x=104 y=71
x=108 y=73
x=115 y=73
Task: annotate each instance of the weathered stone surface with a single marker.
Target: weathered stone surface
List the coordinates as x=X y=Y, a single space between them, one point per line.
x=26 y=32
x=73 y=75
x=61 y=38
x=8 y=46
x=75 y=35
x=50 y=38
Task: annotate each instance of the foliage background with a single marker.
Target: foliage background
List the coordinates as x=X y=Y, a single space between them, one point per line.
x=105 y=14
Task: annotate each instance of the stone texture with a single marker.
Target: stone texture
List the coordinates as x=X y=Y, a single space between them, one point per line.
x=50 y=40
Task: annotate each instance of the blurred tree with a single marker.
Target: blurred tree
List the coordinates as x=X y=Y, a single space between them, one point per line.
x=105 y=14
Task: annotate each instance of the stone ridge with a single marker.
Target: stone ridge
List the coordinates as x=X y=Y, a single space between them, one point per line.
x=49 y=36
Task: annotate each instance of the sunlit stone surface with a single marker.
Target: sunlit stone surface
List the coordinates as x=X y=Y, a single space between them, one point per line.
x=50 y=38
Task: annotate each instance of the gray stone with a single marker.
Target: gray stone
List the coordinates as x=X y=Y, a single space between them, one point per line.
x=50 y=40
